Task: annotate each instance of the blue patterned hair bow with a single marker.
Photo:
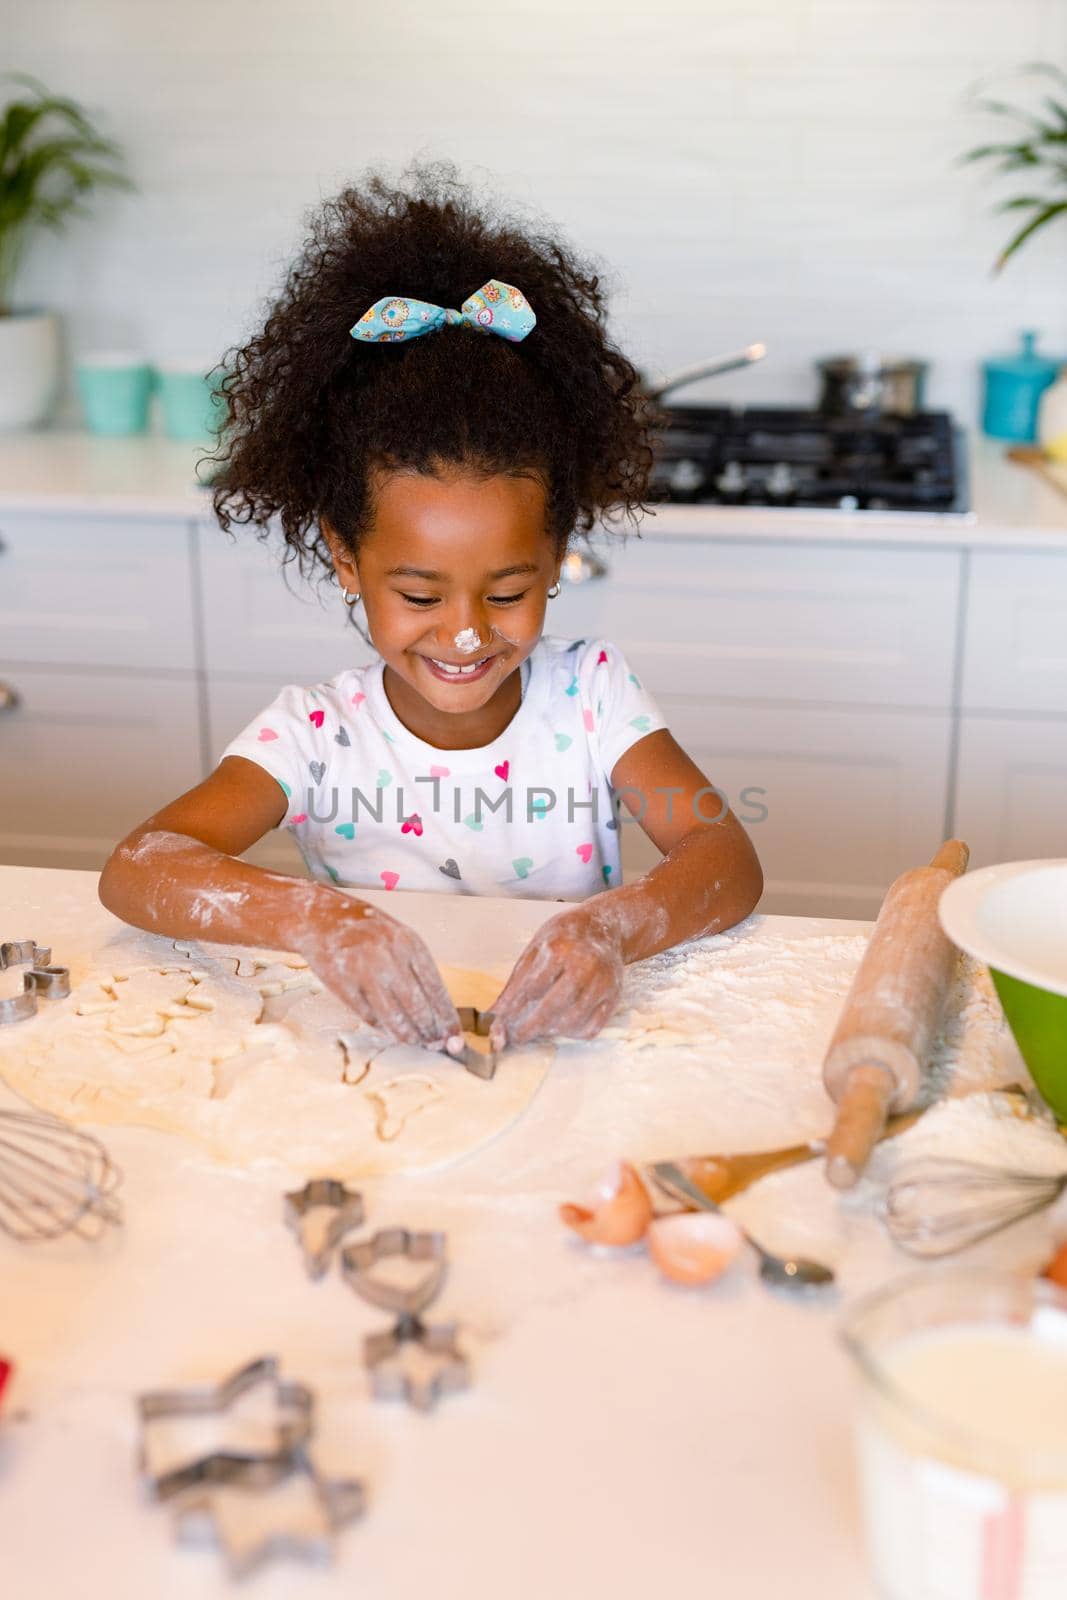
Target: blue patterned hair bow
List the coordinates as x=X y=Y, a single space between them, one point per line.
x=495 y=308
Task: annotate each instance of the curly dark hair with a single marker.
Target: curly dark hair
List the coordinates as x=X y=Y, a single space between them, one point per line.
x=310 y=411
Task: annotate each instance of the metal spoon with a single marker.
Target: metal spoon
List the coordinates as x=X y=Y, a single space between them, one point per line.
x=781 y=1272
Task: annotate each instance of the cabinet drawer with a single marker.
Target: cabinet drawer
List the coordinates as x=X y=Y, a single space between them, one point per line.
x=837 y=803
x=91 y=592
x=1015 y=644
x=84 y=757
x=1011 y=788
x=263 y=619
x=774 y=622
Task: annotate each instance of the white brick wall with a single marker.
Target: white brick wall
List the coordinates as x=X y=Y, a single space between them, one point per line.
x=788 y=164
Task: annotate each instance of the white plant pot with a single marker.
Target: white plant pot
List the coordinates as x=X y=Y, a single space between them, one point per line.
x=29 y=368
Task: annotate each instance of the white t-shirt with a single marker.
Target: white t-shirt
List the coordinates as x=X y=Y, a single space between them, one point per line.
x=372 y=806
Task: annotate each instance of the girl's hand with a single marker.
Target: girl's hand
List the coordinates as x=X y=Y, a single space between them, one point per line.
x=382 y=969
x=567 y=980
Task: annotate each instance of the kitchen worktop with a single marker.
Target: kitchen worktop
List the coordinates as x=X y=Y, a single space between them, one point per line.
x=622 y=1437
x=149 y=476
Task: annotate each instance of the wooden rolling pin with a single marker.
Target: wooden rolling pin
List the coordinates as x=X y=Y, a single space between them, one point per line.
x=882 y=1041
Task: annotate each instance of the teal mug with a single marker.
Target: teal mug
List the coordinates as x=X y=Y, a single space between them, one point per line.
x=115 y=391
x=190 y=410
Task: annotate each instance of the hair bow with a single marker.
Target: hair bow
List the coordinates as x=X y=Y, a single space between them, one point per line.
x=495 y=308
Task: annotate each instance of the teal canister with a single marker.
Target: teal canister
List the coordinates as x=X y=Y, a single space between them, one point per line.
x=114 y=392
x=190 y=408
x=1013 y=389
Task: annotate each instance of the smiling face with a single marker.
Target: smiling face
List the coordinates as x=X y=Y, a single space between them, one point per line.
x=454 y=574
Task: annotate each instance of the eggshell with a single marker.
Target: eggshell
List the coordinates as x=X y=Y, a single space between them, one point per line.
x=694 y=1246
x=1056 y=1270
x=620 y=1211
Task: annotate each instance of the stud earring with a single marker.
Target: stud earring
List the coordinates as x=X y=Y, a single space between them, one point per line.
x=349 y=599
x=554 y=591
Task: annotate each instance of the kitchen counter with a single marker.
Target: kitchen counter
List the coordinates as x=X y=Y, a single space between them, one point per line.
x=622 y=1437
x=57 y=471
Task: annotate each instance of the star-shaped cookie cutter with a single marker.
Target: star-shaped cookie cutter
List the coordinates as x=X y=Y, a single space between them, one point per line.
x=479 y=1023
x=382 y=1355
x=347 y=1205
x=53 y=982
x=359 y=1260
x=214 y=1518
x=254 y=1468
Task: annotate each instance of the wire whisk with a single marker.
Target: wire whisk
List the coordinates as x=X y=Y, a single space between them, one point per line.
x=54 y=1179
x=935 y=1206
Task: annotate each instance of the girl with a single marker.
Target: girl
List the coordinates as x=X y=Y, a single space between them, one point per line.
x=431 y=409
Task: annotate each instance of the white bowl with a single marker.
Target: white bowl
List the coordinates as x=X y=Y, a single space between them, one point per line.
x=1014 y=918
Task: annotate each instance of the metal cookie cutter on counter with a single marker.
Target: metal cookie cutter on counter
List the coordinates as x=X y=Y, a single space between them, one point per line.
x=218 y=1519
x=481 y=1063
x=444 y=1366
x=359 y=1260
x=42 y=978
x=258 y=1469
x=413 y=1360
x=320 y=1194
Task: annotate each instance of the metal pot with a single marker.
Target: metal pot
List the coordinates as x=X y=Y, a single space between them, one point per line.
x=870 y=384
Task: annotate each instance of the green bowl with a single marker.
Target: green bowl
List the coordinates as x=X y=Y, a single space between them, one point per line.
x=1014 y=918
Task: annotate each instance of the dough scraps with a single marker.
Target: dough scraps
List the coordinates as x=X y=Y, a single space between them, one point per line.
x=246 y=1053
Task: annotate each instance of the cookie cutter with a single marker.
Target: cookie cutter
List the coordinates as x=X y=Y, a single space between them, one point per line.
x=210 y=1519
x=347 y=1205
x=53 y=982
x=359 y=1260
x=479 y=1023
x=257 y=1469
x=42 y=979
x=382 y=1354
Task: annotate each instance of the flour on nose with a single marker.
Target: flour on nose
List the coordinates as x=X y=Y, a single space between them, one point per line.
x=468 y=640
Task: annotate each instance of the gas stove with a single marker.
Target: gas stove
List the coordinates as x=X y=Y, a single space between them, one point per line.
x=715 y=455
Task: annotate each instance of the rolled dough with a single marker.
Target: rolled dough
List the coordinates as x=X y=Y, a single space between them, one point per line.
x=244 y=1052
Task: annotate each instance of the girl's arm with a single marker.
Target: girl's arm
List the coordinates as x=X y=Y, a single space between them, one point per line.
x=710 y=877
x=568 y=978
x=176 y=875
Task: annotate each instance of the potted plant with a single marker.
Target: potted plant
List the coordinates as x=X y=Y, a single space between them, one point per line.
x=1038 y=147
x=51 y=158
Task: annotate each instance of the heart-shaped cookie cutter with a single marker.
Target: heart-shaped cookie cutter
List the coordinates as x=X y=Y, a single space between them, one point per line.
x=359 y=1260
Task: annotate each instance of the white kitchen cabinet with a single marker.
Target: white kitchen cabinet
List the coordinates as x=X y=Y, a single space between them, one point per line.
x=1015 y=639
x=84 y=756
x=1011 y=791
x=262 y=619
x=96 y=592
x=837 y=802
x=740 y=621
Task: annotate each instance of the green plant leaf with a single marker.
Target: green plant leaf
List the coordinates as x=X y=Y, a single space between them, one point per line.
x=998 y=108
x=1022 y=201
x=1046 y=214
x=1041 y=151
x=51 y=160
x=984 y=151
